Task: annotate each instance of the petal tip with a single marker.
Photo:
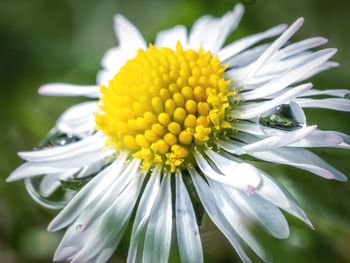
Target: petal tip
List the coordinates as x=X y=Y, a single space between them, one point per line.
x=44 y=90
x=300 y=21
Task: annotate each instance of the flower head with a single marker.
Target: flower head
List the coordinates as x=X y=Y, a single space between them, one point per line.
x=189 y=108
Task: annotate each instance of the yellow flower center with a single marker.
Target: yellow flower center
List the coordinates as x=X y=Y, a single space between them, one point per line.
x=164 y=102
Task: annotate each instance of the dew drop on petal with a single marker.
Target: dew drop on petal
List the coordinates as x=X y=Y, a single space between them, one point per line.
x=283 y=118
x=56 y=200
x=58 y=196
x=56 y=138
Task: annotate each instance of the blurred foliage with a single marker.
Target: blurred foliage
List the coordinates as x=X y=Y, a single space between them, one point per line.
x=49 y=41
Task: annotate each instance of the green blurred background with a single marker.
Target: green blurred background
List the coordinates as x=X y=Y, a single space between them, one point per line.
x=46 y=41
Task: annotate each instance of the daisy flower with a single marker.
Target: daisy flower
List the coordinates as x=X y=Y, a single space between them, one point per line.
x=175 y=123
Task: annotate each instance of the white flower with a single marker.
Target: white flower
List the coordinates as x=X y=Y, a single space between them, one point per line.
x=191 y=109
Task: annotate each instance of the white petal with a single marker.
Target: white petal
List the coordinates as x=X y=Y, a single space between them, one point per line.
x=267 y=214
x=51 y=182
x=245 y=58
x=290 y=76
x=143 y=212
x=323 y=67
x=235 y=217
x=238 y=175
x=244 y=43
x=208 y=201
x=322 y=139
x=211 y=33
x=127 y=34
x=276 y=141
x=302 y=159
x=270 y=190
x=130 y=40
x=64 y=89
x=277 y=44
x=330 y=103
x=111 y=227
x=198 y=29
x=300 y=46
x=112 y=61
x=188 y=239
x=95 y=142
x=274 y=68
x=249 y=127
x=104 y=76
x=78 y=120
x=115 y=189
x=158 y=234
x=29 y=169
x=345 y=137
x=92 y=190
x=226 y=25
x=249 y=111
x=331 y=92
x=168 y=38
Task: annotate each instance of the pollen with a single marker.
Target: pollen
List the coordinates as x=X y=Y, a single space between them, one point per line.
x=163 y=103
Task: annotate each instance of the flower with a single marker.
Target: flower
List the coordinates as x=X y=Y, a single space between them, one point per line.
x=187 y=111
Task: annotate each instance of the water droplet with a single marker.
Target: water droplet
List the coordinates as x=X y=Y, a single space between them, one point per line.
x=78 y=227
x=58 y=196
x=62 y=190
x=56 y=138
x=283 y=118
x=56 y=200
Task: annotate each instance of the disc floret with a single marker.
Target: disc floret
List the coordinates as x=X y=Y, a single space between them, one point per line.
x=163 y=102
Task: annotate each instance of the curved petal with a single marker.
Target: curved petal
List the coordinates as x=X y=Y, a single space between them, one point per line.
x=269 y=189
x=29 y=169
x=51 y=182
x=238 y=175
x=269 y=216
x=60 y=152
